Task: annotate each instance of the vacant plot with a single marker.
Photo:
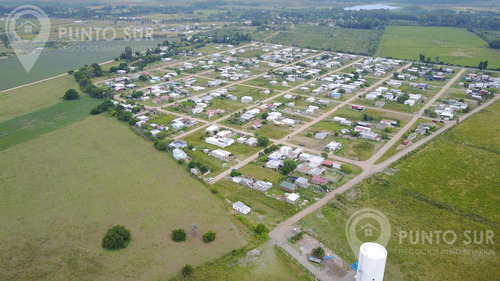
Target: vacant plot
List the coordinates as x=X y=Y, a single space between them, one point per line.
x=45 y=120
x=268 y=264
x=451 y=45
x=331 y=38
x=20 y=101
x=450 y=184
x=85 y=178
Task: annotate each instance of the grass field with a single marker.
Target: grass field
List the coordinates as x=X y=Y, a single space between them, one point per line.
x=331 y=38
x=61 y=191
x=452 y=45
x=271 y=264
x=45 y=120
x=450 y=184
x=23 y=100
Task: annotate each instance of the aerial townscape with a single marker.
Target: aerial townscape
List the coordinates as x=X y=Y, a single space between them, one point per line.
x=249 y=140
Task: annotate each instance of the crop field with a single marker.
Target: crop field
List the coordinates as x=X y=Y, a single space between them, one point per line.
x=331 y=38
x=92 y=175
x=14 y=103
x=452 y=45
x=56 y=62
x=450 y=184
x=45 y=120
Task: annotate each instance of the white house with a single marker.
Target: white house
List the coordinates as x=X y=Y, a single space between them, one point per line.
x=179 y=154
x=293 y=198
x=242 y=208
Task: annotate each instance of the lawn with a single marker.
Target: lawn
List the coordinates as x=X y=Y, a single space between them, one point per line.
x=45 y=120
x=14 y=103
x=331 y=38
x=450 y=184
x=452 y=45
x=61 y=191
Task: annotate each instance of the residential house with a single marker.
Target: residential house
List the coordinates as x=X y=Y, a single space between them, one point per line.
x=319 y=180
x=293 y=198
x=241 y=208
x=222 y=155
x=179 y=154
x=302 y=182
x=288 y=186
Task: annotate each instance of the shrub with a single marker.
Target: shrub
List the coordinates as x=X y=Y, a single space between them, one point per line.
x=345 y=168
x=209 y=236
x=187 y=270
x=261 y=230
x=318 y=252
x=117 y=237
x=178 y=235
x=235 y=174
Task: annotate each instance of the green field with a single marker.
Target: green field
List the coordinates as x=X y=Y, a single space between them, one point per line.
x=14 y=103
x=452 y=45
x=331 y=38
x=45 y=120
x=271 y=264
x=61 y=191
x=450 y=184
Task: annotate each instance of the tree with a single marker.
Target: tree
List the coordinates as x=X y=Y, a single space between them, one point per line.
x=71 y=94
x=288 y=166
x=324 y=154
x=117 y=237
x=264 y=115
x=318 y=252
x=262 y=141
x=209 y=236
x=345 y=168
x=437 y=59
x=421 y=57
x=428 y=60
x=481 y=65
x=143 y=78
x=178 y=235
x=187 y=270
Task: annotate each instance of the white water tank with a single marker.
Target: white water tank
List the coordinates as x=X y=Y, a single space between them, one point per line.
x=371 y=263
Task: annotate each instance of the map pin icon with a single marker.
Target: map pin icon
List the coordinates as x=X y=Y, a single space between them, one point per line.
x=21 y=24
x=367 y=225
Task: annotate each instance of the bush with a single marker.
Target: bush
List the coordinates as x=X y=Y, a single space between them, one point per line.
x=117 y=237
x=318 y=252
x=345 y=168
x=187 y=270
x=209 y=236
x=261 y=230
x=235 y=174
x=71 y=94
x=178 y=235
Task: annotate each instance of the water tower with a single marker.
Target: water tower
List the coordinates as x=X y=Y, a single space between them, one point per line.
x=371 y=264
